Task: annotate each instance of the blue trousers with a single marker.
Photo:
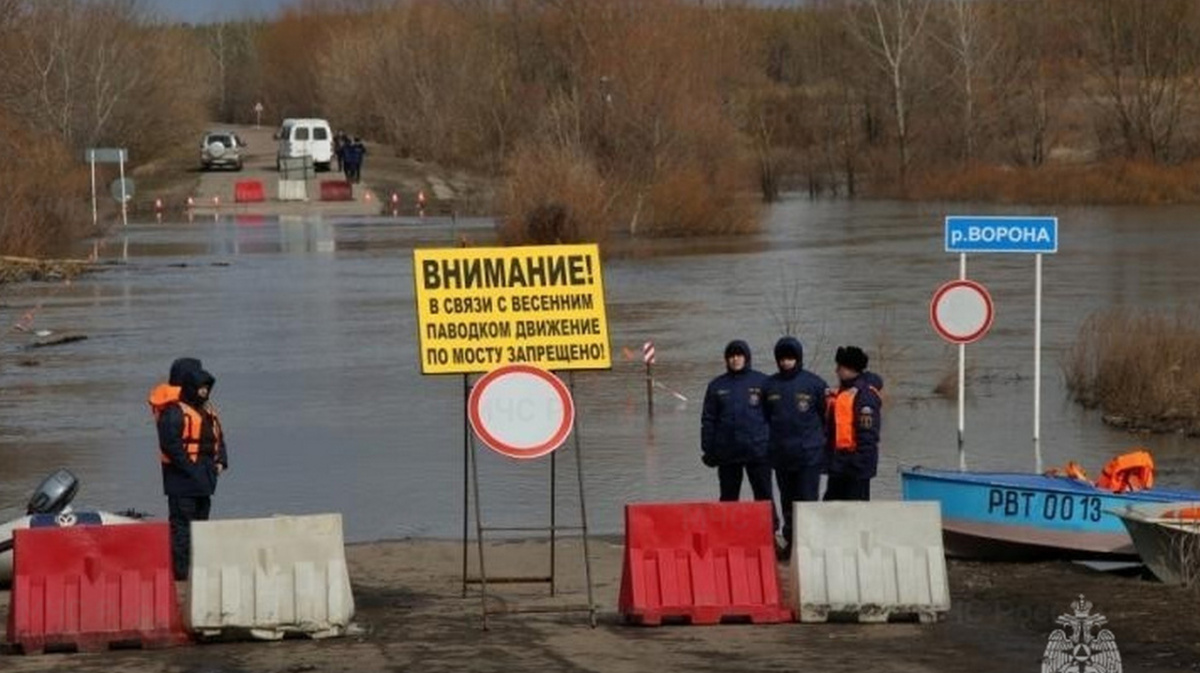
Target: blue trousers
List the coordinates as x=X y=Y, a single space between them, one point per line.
x=799 y=485
x=759 y=476
x=183 y=511
x=847 y=487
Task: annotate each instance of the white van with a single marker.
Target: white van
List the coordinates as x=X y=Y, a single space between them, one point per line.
x=306 y=137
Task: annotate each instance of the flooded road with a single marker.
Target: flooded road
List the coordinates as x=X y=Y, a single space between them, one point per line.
x=309 y=327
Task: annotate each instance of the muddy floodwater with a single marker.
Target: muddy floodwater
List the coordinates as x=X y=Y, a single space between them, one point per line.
x=309 y=327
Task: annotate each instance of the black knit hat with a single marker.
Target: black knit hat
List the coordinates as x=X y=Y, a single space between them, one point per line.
x=851 y=357
x=737 y=347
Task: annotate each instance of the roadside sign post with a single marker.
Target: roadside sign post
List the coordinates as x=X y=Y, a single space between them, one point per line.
x=514 y=315
x=107 y=155
x=648 y=359
x=124 y=196
x=962 y=313
x=95 y=209
x=1017 y=234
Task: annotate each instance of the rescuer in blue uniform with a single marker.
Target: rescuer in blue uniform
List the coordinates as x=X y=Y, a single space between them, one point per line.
x=794 y=404
x=733 y=432
x=192 y=452
x=854 y=420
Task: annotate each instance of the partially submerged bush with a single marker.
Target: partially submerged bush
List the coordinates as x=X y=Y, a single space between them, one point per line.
x=1141 y=369
x=42 y=211
x=553 y=195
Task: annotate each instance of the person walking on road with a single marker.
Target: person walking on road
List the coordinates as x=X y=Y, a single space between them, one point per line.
x=854 y=422
x=354 y=153
x=192 y=454
x=733 y=431
x=339 y=150
x=794 y=401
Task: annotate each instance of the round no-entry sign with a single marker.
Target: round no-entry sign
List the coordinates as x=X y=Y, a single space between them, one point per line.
x=961 y=311
x=521 y=411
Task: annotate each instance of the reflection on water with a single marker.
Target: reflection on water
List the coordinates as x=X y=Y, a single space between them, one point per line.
x=309 y=326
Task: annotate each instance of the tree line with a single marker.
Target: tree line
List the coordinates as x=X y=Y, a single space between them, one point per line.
x=656 y=117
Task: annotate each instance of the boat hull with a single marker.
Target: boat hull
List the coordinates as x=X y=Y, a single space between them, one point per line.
x=81 y=517
x=1028 y=517
x=1170 y=547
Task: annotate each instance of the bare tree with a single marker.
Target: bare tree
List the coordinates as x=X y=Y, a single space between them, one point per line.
x=892 y=31
x=1144 y=54
x=1030 y=78
x=971 y=47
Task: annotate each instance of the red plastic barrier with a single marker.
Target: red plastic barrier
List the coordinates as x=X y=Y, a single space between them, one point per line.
x=336 y=190
x=700 y=562
x=249 y=191
x=88 y=587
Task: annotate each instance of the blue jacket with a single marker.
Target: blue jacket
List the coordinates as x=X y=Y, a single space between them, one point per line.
x=732 y=427
x=181 y=477
x=794 y=404
x=863 y=461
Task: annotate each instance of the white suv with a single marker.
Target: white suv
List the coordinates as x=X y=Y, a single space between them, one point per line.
x=221 y=148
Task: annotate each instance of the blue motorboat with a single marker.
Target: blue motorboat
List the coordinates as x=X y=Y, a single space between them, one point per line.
x=997 y=516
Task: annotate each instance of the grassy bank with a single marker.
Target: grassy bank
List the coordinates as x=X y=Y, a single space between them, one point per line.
x=1139 y=369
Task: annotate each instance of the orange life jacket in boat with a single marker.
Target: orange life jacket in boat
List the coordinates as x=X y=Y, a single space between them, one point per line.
x=1071 y=470
x=1130 y=471
x=1187 y=513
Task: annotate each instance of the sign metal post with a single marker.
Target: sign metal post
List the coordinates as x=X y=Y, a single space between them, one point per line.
x=515 y=315
x=1007 y=234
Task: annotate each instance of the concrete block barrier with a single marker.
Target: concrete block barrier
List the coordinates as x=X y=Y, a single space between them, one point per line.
x=270 y=577
x=868 y=560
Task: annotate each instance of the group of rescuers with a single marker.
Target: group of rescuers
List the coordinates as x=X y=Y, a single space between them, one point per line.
x=790 y=423
x=793 y=424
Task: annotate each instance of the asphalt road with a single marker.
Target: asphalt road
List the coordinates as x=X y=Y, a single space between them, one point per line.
x=216 y=191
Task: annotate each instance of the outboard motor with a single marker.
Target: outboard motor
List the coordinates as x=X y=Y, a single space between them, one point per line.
x=53 y=494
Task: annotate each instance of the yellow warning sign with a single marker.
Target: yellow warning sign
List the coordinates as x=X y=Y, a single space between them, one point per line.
x=480 y=308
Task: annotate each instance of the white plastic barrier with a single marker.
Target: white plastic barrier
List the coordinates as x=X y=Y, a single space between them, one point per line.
x=868 y=559
x=270 y=577
x=292 y=190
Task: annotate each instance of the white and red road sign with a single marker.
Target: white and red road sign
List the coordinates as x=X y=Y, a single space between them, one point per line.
x=961 y=311
x=648 y=352
x=521 y=411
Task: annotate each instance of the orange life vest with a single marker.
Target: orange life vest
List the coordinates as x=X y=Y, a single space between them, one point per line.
x=1188 y=513
x=1131 y=471
x=193 y=422
x=1072 y=470
x=162 y=396
x=841 y=417
x=845 y=434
